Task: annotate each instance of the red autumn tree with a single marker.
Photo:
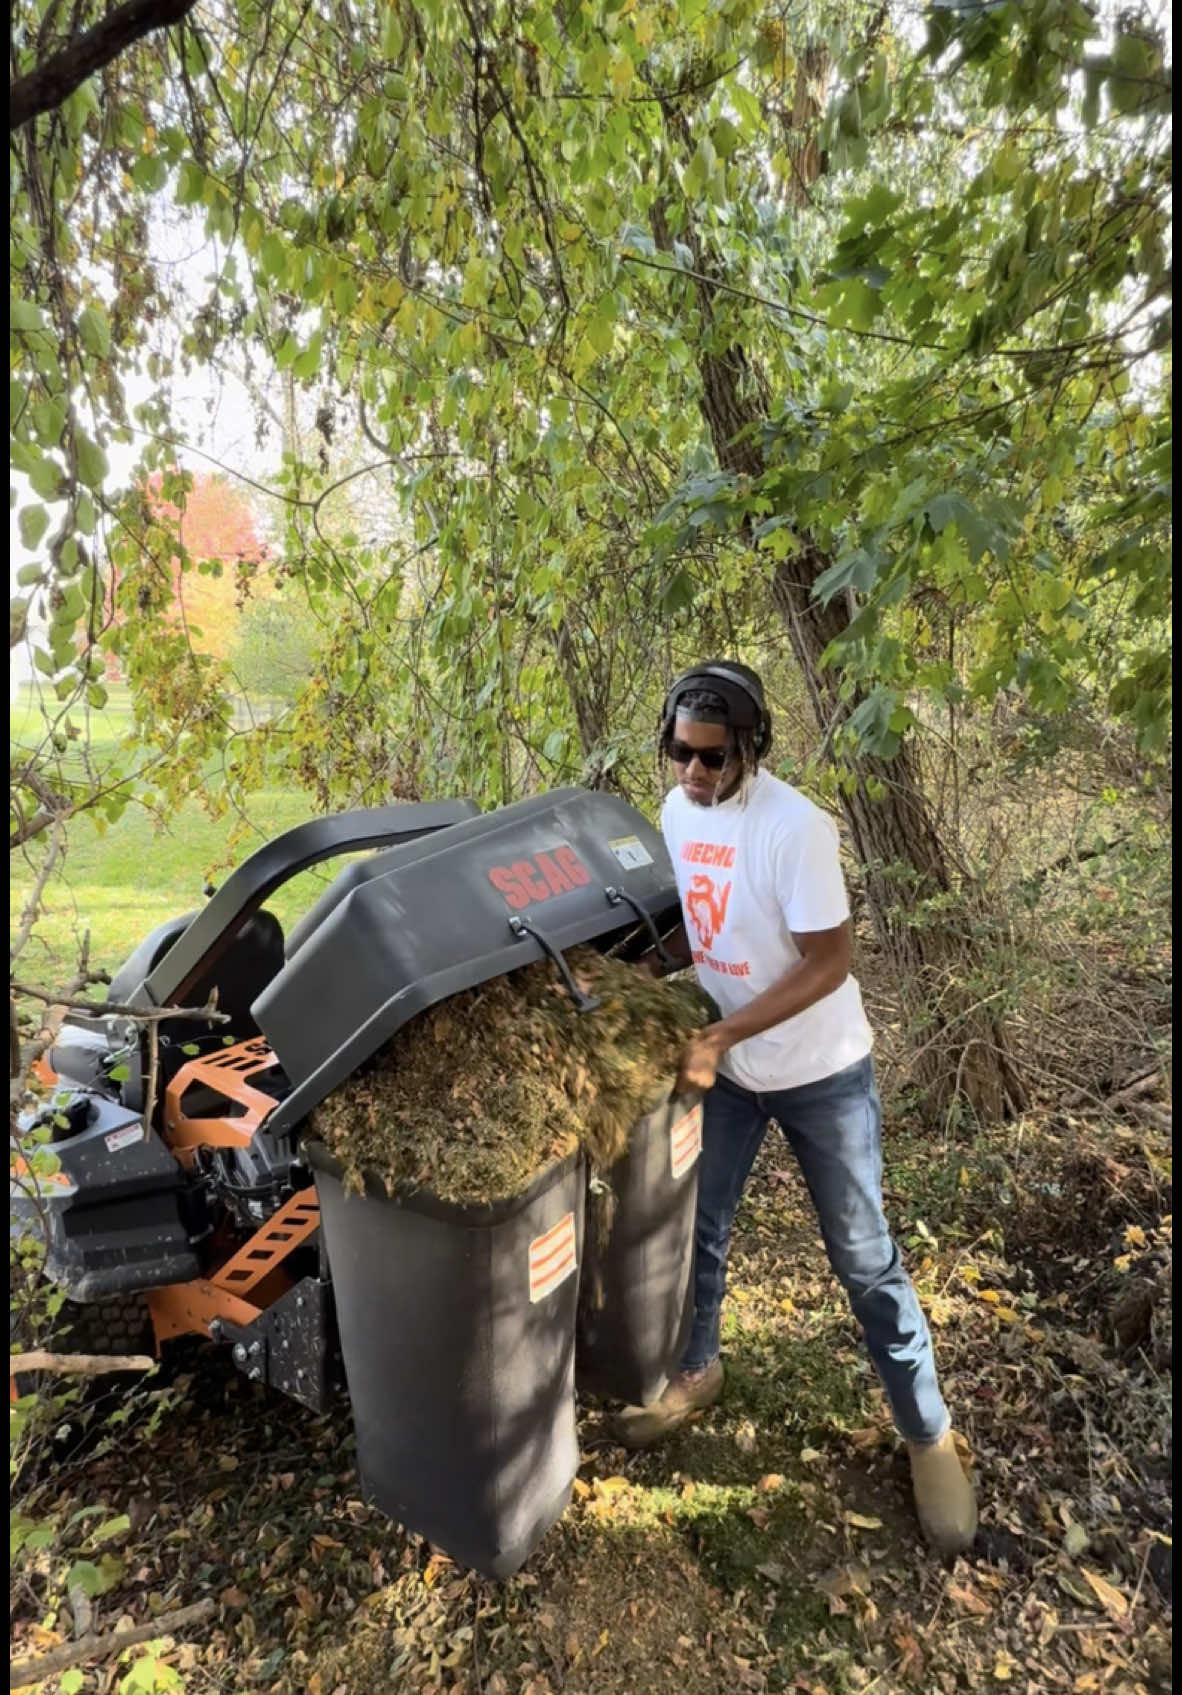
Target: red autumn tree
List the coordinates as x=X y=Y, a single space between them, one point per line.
x=224 y=551
x=220 y=565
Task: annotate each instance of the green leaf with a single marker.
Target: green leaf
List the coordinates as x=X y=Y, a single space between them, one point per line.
x=601 y=332
x=273 y=256
x=71 y=1681
x=852 y=302
x=980 y=535
x=308 y=363
x=92 y=462
x=725 y=138
x=857 y=569
x=150 y=172
x=49 y=420
x=23 y=315
x=636 y=239
x=190 y=184
x=869 y=211
x=113 y=1527
x=34 y=522
x=677 y=594
x=872 y=720
x=849 y=114
x=45 y=479
x=391 y=34
x=1006 y=164
x=95 y=331
x=84 y=1575
x=151 y=1676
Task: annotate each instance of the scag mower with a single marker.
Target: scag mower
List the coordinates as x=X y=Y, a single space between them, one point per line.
x=184 y=1178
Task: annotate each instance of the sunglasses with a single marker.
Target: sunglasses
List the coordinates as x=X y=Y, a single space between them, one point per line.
x=713 y=758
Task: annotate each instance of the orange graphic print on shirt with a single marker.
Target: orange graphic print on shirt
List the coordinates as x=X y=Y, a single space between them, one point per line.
x=705 y=904
x=706 y=901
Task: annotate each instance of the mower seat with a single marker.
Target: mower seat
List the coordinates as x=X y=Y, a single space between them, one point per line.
x=240 y=975
x=244 y=970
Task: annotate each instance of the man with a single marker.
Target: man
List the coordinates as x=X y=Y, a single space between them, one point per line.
x=766 y=924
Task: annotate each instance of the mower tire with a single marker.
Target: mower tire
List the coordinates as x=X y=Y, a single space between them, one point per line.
x=118 y=1324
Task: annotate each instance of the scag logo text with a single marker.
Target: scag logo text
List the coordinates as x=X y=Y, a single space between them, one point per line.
x=529 y=880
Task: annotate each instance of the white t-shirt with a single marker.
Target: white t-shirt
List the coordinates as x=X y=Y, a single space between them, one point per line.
x=750 y=873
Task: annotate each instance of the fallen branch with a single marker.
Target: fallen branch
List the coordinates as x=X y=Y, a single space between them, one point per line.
x=1132 y=1091
x=21 y=1672
x=1073 y=856
x=78 y=1365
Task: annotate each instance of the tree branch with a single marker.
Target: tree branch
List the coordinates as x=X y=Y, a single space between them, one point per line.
x=208 y=1013
x=33 y=905
x=45 y=87
x=102 y=1647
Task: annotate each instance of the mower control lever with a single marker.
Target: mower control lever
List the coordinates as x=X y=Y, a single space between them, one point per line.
x=523 y=927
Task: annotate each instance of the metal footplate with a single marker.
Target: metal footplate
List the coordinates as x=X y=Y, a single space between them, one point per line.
x=291 y=1345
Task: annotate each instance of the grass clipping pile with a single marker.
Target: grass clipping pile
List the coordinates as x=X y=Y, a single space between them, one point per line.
x=478 y=1095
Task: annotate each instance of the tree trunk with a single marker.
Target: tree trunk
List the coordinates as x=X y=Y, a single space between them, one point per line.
x=966 y=1054
x=588 y=714
x=802 y=125
x=905 y=864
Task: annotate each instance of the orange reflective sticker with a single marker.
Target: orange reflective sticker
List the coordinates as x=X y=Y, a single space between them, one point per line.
x=685 y=1142
x=552 y=1258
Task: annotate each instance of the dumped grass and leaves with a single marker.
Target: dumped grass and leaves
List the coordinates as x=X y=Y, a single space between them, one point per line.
x=478 y=1095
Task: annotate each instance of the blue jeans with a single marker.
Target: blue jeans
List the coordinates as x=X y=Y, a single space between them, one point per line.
x=834 y=1127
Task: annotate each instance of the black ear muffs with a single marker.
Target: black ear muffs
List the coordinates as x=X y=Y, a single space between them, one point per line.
x=739 y=687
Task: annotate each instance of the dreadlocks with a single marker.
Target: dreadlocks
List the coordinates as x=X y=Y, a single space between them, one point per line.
x=703 y=706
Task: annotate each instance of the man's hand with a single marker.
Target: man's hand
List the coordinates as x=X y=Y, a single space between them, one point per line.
x=698 y=1067
x=677 y=950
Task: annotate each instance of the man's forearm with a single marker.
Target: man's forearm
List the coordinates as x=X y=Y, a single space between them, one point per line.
x=809 y=981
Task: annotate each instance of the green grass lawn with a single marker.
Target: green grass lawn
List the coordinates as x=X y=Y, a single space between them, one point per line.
x=119 y=885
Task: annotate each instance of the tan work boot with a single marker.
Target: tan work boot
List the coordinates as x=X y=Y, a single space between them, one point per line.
x=686 y=1394
x=944 y=1497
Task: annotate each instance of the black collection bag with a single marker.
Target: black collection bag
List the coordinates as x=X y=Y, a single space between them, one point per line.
x=457 y=1328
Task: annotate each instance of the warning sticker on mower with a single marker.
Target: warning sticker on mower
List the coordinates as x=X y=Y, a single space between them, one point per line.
x=552 y=1259
x=631 y=852
x=124 y=1138
x=685 y=1141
